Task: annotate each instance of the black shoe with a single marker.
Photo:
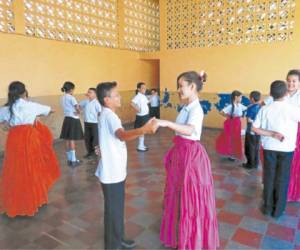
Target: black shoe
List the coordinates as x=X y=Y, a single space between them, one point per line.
x=142 y=150
x=75 y=163
x=246 y=166
x=128 y=244
x=265 y=211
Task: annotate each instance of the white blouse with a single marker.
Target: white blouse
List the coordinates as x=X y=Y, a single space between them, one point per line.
x=191 y=114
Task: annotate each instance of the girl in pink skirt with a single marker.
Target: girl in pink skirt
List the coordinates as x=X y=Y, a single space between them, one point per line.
x=189 y=219
x=293 y=83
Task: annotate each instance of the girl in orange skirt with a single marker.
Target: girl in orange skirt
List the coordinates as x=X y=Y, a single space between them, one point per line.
x=30 y=166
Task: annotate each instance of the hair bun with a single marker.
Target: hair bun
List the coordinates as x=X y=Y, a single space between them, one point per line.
x=62 y=89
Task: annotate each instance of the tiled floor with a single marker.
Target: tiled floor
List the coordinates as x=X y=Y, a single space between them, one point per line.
x=73 y=219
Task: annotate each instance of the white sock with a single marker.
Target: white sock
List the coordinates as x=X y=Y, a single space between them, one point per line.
x=73 y=155
x=141 y=144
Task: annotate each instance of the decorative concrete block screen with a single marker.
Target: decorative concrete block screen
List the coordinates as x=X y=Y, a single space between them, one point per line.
x=6 y=16
x=141 y=26
x=206 y=23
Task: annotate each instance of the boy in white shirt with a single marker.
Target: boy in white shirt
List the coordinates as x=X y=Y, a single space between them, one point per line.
x=111 y=169
x=91 y=109
x=277 y=123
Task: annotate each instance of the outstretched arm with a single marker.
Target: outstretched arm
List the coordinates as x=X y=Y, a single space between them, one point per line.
x=222 y=113
x=127 y=135
x=180 y=128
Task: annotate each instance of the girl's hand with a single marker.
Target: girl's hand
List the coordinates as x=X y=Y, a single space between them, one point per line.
x=162 y=123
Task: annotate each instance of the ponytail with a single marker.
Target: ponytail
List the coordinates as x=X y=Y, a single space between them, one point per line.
x=234 y=94
x=15 y=90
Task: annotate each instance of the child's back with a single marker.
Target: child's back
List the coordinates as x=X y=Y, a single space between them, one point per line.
x=281 y=117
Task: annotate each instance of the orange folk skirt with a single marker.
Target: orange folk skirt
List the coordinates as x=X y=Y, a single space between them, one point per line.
x=29 y=169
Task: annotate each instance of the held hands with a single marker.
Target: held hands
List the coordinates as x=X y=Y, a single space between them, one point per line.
x=151 y=126
x=162 y=123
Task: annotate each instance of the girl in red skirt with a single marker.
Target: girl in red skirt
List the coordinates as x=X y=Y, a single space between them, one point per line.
x=30 y=166
x=293 y=84
x=189 y=219
x=229 y=142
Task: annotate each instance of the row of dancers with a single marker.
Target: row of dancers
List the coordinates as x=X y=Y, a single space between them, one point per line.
x=280 y=151
x=189 y=219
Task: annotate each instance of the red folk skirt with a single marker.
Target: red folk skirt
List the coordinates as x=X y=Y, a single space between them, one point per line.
x=29 y=169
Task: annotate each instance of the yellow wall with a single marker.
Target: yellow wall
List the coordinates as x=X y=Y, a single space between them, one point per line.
x=44 y=65
x=244 y=67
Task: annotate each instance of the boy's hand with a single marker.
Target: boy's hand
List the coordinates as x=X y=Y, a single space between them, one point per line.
x=278 y=136
x=151 y=126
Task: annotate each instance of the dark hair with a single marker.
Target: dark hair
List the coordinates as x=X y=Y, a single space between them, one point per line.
x=104 y=90
x=234 y=94
x=67 y=87
x=255 y=95
x=278 y=89
x=138 y=86
x=15 y=90
x=294 y=72
x=93 y=89
x=193 y=77
x=155 y=90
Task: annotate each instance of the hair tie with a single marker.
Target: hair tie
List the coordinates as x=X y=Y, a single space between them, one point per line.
x=202 y=76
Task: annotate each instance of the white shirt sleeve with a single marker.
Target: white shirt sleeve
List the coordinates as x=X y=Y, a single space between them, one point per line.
x=195 y=118
x=73 y=101
x=83 y=103
x=4 y=114
x=243 y=107
x=39 y=109
x=258 y=120
x=98 y=107
x=114 y=123
x=136 y=100
x=268 y=100
x=227 y=109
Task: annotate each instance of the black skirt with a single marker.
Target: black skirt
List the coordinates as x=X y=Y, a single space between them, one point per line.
x=140 y=121
x=71 y=129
